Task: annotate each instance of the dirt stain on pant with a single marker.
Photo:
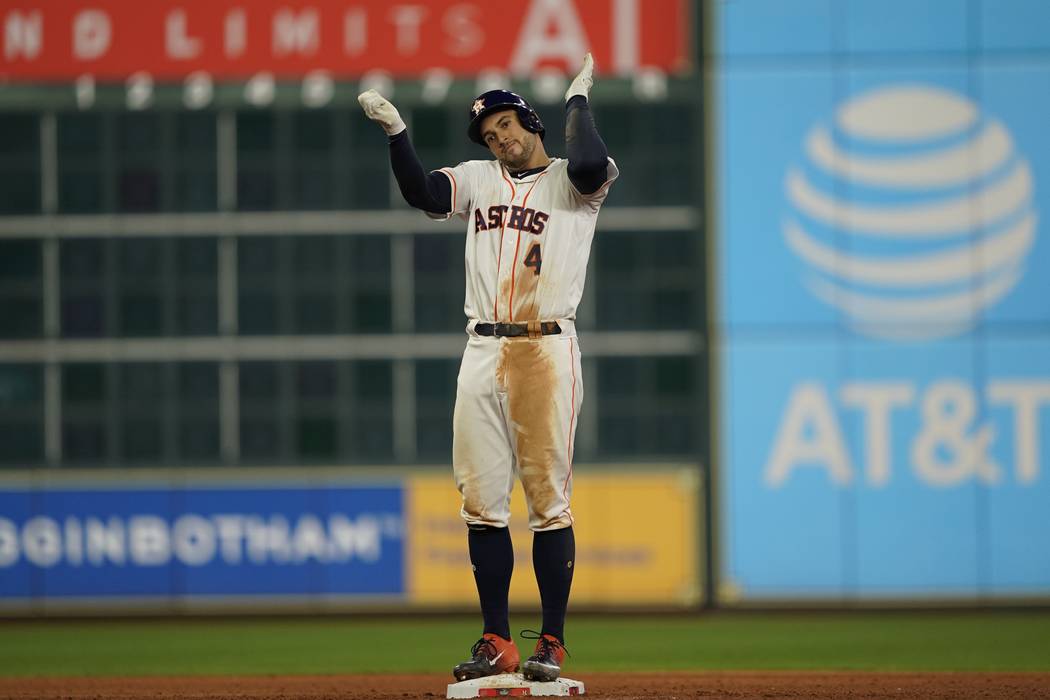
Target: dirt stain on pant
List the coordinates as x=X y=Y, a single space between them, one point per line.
x=529 y=375
x=468 y=481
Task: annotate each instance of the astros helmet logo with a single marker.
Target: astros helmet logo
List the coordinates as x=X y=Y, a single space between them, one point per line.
x=478 y=106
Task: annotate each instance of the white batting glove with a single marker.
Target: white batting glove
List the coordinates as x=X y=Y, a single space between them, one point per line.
x=581 y=84
x=378 y=109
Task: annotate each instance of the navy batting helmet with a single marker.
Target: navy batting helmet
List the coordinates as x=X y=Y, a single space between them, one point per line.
x=498 y=100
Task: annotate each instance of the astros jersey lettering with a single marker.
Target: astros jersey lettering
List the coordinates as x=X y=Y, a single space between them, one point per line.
x=528 y=239
x=518 y=398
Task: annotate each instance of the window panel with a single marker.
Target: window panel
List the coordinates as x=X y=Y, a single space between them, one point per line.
x=20 y=135
x=259 y=284
x=21 y=289
x=82 y=139
x=438 y=279
x=196 y=395
x=315 y=314
x=84 y=383
x=84 y=441
x=316 y=380
x=369 y=183
x=646 y=406
x=82 y=258
x=21 y=442
x=138 y=189
x=430 y=130
x=80 y=190
x=645 y=280
x=196 y=133
x=19 y=187
x=435 y=400
x=256 y=161
x=80 y=133
x=259 y=380
x=317 y=438
x=257 y=314
x=196 y=283
x=198 y=257
x=260 y=440
x=199 y=440
x=86 y=407
x=142 y=442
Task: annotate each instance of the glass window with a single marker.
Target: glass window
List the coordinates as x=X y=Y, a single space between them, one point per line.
x=646 y=406
x=195 y=162
x=21 y=289
x=87 y=399
x=21 y=415
x=196 y=286
x=316 y=411
x=197 y=411
x=82 y=139
x=657 y=165
x=645 y=280
x=435 y=400
x=19 y=163
x=141 y=285
x=369 y=184
x=143 y=390
x=139 y=151
x=314 y=284
x=439 y=282
x=368 y=285
x=84 y=268
x=256 y=161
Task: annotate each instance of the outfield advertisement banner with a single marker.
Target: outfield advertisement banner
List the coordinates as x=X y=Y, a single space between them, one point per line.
x=178 y=543
x=310 y=544
x=170 y=40
x=885 y=354
x=637 y=541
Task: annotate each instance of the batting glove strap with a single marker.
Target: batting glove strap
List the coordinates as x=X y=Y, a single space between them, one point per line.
x=381 y=111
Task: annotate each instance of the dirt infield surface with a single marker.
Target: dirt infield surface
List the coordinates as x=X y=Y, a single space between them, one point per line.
x=609 y=686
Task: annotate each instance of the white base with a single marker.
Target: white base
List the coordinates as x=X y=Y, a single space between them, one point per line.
x=512 y=684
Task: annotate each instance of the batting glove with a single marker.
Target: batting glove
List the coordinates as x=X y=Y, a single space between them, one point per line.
x=378 y=109
x=581 y=84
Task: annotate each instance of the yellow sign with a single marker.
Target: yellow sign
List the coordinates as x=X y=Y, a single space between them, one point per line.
x=636 y=533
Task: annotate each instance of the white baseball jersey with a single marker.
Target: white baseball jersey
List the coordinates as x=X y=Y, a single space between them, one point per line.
x=518 y=398
x=528 y=240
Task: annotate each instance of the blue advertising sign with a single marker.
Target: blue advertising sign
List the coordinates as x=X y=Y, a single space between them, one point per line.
x=166 y=542
x=885 y=342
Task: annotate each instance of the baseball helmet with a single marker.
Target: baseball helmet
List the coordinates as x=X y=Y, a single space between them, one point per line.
x=496 y=101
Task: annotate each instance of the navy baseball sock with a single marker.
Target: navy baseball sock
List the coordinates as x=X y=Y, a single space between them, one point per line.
x=553 y=558
x=492 y=555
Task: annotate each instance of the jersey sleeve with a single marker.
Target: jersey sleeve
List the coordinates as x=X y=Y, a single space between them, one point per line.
x=463 y=178
x=593 y=201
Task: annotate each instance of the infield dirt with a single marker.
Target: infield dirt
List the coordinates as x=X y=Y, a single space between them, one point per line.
x=609 y=686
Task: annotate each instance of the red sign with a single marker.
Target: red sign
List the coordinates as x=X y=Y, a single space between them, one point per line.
x=60 y=40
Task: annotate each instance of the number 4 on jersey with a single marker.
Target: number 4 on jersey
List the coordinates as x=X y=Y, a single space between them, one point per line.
x=533 y=259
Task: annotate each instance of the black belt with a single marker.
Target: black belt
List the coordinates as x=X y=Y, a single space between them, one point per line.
x=514 y=330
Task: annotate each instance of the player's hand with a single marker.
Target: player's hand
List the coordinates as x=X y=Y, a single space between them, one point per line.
x=378 y=109
x=581 y=84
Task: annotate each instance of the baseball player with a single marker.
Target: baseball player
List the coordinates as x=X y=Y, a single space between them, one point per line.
x=530 y=220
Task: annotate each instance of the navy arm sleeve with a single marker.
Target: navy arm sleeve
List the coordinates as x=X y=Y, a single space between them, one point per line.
x=431 y=192
x=588 y=156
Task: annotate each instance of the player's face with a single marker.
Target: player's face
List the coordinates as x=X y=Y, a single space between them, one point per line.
x=509 y=141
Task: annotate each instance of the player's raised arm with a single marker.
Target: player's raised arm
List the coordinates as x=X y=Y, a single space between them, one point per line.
x=587 y=154
x=431 y=192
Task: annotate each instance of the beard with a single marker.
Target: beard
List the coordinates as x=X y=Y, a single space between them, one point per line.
x=519 y=161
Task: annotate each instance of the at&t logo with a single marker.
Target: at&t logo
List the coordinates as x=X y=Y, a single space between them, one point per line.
x=912 y=211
